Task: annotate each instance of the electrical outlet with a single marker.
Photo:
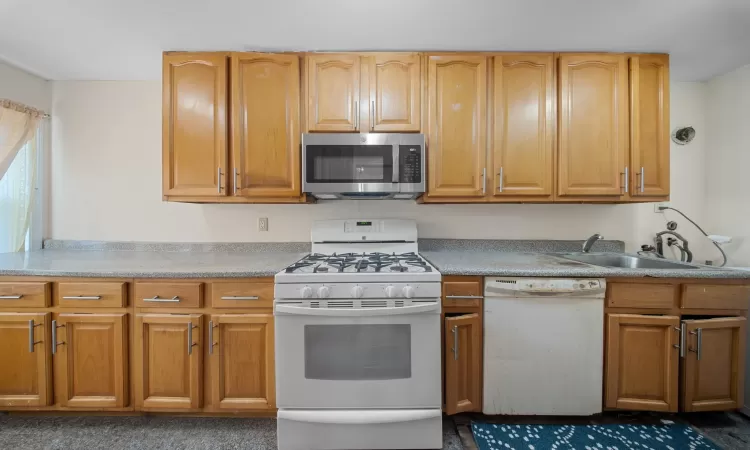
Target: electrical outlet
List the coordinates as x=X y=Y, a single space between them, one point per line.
x=659 y=205
x=263 y=224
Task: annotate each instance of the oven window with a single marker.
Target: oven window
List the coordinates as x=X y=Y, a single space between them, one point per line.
x=358 y=352
x=349 y=163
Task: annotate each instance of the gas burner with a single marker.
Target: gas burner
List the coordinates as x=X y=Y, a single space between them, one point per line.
x=340 y=265
x=320 y=268
x=361 y=265
x=399 y=268
x=421 y=264
x=297 y=265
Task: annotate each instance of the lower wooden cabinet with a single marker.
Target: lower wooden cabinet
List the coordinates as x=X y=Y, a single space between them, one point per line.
x=463 y=363
x=25 y=378
x=91 y=352
x=242 y=361
x=642 y=362
x=714 y=370
x=168 y=361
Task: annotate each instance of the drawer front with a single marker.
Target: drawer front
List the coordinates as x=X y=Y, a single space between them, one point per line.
x=715 y=296
x=168 y=294
x=463 y=291
x=634 y=295
x=22 y=294
x=92 y=294
x=242 y=294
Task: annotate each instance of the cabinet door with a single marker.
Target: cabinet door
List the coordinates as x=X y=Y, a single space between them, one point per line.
x=593 y=124
x=265 y=125
x=649 y=125
x=395 y=92
x=524 y=137
x=168 y=362
x=463 y=364
x=92 y=356
x=194 y=124
x=242 y=361
x=457 y=126
x=714 y=370
x=332 y=92
x=25 y=378
x=641 y=362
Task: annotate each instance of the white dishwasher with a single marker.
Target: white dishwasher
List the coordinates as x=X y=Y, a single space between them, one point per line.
x=543 y=346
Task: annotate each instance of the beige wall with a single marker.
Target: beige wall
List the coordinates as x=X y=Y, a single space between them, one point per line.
x=728 y=162
x=20 y=86
x=106 y=184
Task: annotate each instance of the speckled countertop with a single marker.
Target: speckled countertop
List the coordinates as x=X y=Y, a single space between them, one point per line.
x=518 y=264
x=146 y=264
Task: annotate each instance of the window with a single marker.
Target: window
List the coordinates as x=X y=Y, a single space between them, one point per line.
x=19 y=200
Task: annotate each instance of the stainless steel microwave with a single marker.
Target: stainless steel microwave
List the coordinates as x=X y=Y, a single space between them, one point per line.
x=363 y=166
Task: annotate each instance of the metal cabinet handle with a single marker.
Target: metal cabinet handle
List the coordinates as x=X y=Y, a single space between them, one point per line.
x=156 y=299
x=699 y=342
x=190 y=343
x=627 y=179
x=454 y=330
x=218 y=180
x=32 y=342
x=500 y=180
x=464 y=296
x=356 y=114
x=484 y=181
x=372 y=117
x=55 y=326
x=643 y=182
x=683 y=337
x=11 y=297
x=211 y=337
x=236 y=180
x=81 y=297
x=252 y=297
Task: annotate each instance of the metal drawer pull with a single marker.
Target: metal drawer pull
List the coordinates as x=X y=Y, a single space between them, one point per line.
x=11 y=297
x=252 y=297
x=55 y=326
x=32 y=342
x=211 y=342
x=156 y=299
x=82 y=297
x=455 y=342
x=464 y=296
x=190 y=343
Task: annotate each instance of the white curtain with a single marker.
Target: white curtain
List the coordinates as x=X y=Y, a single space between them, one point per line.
x=18 y=160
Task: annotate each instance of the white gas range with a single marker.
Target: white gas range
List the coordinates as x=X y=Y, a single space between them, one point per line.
x=358 y=341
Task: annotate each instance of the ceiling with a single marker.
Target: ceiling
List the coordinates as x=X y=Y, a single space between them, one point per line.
x=123 y=39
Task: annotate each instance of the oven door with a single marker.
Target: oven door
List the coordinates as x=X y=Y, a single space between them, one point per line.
x=358 y=358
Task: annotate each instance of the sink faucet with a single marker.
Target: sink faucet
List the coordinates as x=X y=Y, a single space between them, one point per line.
x=590 y=242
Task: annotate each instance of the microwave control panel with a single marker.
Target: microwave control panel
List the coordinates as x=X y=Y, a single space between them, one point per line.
x=410 y=164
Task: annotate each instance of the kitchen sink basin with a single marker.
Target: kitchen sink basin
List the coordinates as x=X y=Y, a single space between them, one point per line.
x=625 y=261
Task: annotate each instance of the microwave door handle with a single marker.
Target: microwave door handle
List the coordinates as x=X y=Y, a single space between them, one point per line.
x=395 y=163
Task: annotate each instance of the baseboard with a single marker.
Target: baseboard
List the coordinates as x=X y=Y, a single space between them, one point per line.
x=745 y=410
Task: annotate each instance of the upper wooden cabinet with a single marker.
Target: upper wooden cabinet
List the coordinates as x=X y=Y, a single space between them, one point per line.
x=25 y=378
x=333 y=92
x=395 y=86
x=714 y=370
x=524 y=132
x=649 y=125
x=92 y=352
x=265 y=134
x=642 y=362
x=194 y=125
x=593 y=124
x=457 y=126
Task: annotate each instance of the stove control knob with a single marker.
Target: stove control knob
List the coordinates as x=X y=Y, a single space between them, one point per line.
x=306 y=292
x=390 y=292
x=408 y=291
x=357 y=291
x=324 y=292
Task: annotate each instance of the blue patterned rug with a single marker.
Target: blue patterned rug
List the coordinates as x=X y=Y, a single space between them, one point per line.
x=489 y=436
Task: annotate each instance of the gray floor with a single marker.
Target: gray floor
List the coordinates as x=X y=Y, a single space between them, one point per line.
x=115 y=433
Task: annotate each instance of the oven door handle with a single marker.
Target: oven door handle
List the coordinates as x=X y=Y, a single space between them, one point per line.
x=356 y=312
x=352 y=417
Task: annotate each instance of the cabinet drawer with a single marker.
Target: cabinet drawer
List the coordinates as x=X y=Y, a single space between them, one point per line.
x=92 y=294
x=168 y=294
x=462 y=291
x=634 y=295
x=15 y=294
x=715 y=296
x=242 y=294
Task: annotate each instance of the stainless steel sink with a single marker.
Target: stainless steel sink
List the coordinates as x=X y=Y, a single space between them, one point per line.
x=624 y=261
